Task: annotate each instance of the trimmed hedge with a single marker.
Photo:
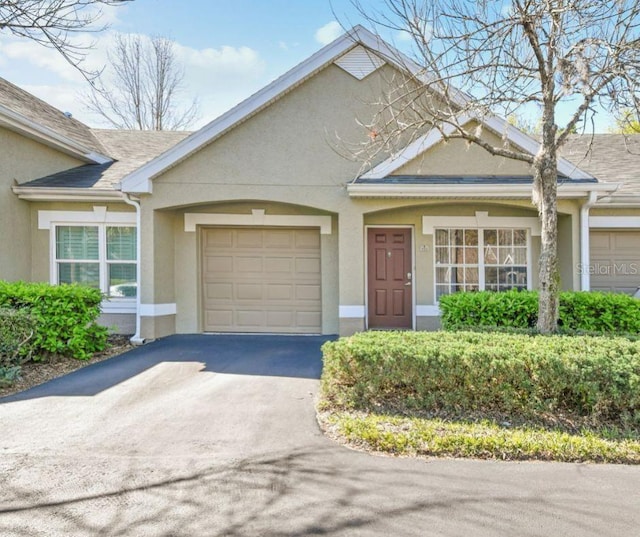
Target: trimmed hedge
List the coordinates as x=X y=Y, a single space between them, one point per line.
x=64 y=316
x=579 y=311
x=16 y=329
x=594 y=378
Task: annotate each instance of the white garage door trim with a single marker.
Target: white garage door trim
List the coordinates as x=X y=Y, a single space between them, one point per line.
x=257 y=218
x=261 y=279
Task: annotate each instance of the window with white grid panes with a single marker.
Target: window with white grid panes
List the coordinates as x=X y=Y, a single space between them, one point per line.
x=100 y=256
x=480 y=259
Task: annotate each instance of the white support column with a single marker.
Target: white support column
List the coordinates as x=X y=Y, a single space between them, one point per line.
x=585 y=257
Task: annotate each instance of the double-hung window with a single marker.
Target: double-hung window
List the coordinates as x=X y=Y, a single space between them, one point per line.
x=480 y=259
x=98 y=255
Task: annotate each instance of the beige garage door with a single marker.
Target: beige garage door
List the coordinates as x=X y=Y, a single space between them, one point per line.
x=615 y=261
x=261 y=280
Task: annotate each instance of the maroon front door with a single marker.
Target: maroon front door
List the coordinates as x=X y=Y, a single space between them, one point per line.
x=389 y=277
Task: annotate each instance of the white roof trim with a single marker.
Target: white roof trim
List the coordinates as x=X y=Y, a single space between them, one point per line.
x=494 y=123
x=139 y=181
x=385 y=190
x=65 y=194
x=18 y=123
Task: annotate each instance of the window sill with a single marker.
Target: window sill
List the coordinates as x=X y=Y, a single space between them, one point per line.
x=118 y=305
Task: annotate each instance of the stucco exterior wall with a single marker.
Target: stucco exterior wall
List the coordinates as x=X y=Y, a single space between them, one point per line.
x=21 y=159
x=457 y=157
x=286 y=160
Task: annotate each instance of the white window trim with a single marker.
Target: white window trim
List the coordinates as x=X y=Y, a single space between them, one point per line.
x=100 y=217
x=257 y=218
x=481 y=262
x=481 y=220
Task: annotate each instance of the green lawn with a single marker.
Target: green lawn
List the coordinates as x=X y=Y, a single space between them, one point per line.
x=413 y=436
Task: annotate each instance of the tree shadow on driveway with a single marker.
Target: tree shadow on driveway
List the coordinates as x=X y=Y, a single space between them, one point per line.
x=261 y=355
x=303 y=492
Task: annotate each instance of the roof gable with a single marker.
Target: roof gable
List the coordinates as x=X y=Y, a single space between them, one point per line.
x=140 y=180
x=359 y=52
x=495 y=124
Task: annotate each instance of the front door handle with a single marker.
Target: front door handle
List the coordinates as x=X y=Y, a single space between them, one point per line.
x=408 y=283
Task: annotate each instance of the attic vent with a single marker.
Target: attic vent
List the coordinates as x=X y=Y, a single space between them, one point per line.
x=359 y=62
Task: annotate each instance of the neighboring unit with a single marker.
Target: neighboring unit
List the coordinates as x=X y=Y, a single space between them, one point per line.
x=256 y=223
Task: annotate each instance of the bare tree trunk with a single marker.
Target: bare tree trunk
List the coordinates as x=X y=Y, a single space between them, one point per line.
x=545 y=188
x=548 y=303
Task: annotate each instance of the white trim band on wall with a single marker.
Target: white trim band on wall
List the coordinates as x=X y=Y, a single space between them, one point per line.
x=157 y=310
x=428 y=311
x=481 y=220
x=351 y=312
x=99 y=215
x=257 y=218
x=608 y=222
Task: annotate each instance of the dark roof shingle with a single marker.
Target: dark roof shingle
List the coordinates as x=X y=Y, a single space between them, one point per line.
x=612 y=158
x=131 y=149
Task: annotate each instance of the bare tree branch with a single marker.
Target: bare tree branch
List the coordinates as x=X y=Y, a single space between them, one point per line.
x=473 y=58
x=51 y=23
x=139 y=88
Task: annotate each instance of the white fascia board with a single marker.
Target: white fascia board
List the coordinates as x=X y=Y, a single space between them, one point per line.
x=49 y=137
x=65 y=194
x=468 y=191
x=139 y=181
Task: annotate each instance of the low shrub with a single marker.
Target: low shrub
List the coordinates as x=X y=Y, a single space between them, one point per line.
x=589 y=312
x=594 y=379
x=64 y=316
x=16 y=329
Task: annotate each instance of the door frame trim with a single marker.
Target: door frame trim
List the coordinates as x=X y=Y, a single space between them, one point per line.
x=411 y=227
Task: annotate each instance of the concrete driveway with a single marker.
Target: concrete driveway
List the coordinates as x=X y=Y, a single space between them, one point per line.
x=216 y=435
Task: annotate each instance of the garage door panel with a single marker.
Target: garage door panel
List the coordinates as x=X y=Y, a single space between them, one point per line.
x=224 y=319
x=615 y=261
x=307 y=239
x=217 y=263
x=271 y=284
x=282 y=265
x=280 y=292
x=219 y=291
x=278 y=239
x=248 y=238
x=307 y=265
x=308 y=320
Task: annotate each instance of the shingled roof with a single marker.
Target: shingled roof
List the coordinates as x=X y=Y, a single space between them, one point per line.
x=36 y=110
x=130 y=149
x=612 y=158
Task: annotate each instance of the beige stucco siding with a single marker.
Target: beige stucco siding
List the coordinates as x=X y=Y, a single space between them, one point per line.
x=457 y=157
x=286 y=160
x=21 y=159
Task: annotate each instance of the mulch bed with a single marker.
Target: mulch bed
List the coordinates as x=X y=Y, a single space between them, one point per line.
x=35 y=373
